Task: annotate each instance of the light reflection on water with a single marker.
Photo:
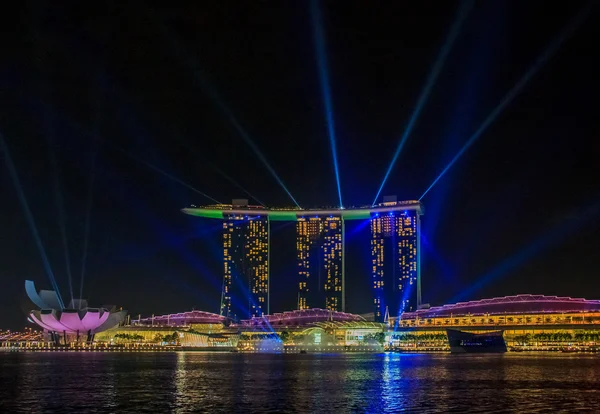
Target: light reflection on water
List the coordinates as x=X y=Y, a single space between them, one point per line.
x=226 y=382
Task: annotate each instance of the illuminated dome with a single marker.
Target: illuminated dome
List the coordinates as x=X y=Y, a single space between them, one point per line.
x=509 y=304
x=302 y=317
x=183 y=318
x=75 y=319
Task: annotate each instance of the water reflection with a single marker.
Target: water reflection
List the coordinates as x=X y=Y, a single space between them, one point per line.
x=225 y=382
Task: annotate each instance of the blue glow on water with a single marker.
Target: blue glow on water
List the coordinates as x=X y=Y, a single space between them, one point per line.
x=319 y=40
x=30 y=220
x=463 y=11
x=548 y=52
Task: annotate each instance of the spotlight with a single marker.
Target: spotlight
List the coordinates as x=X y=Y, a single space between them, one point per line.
x=27 y=211
x=516 y=89
x=166 y=174
x=319 y=40
x=202 y=80
x=435 y=71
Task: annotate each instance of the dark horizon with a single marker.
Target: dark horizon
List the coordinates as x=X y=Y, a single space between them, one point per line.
x=156 y=108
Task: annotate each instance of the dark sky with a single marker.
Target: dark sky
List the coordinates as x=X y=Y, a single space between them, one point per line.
x=179 y=86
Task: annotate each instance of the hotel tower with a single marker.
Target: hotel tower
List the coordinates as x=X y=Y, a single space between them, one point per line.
x=321 y=283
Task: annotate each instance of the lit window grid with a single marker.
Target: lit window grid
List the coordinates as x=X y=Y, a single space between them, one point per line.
x=403 y=227
x=249 y=252
x=325 y=233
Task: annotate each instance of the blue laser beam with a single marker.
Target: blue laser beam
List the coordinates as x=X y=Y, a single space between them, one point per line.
x=95 y=147
x=30 y=221
x=165 y=235
x=201 y=79
x=321 y=57
x=221 y=172
x=47 y=117
x=260 y=155
x=187 y=145
x=467 y=99
x=60 y=209
x=166 y=174
x=80 y=128
x=548 y=52
x=88 y=219
x=462 y=14
x=543 y=242
x=235 y=183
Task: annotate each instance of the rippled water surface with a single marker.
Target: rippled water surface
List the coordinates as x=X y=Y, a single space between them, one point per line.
x=226 y=382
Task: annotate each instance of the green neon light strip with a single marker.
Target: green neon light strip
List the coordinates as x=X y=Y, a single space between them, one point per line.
x=356 y=214
x=274 y=215
x=200 y=212
x=283 y=215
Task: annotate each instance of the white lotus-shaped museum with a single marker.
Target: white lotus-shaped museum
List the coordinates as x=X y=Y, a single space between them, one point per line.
x=77 y=318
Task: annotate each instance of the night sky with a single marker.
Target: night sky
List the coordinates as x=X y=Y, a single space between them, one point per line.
x=105 y=91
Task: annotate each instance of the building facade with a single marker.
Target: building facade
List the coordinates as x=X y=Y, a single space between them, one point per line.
x=245 y=291
x=395 y=262
x=319 y=246
x=395 y=251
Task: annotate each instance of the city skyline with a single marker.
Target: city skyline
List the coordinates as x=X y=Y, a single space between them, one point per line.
x=485 y=110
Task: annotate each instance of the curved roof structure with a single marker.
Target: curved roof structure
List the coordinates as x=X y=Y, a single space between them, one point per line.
x=221 y=211
x=46 y=299
x=350 y=325
x=78 y=318
x=77 y=321
x=509 y=304
x=183 y=318
x=302 y=317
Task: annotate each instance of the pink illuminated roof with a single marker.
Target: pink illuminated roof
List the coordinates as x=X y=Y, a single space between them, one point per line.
x=302 y=317
x=183 y=318
x=509 y=304
x=74 y=321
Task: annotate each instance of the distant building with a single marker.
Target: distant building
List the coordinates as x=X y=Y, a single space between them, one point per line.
x=527 y=322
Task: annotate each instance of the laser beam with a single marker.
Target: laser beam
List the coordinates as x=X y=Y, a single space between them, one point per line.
x=88 y=219
x=321 y=57
x=201 y=79
x=30 y=221
x=543 y=242
x=260 y=156
x=548 y=52
x=95 y=147
x=166 y=174
x=234 y=182
x=48 y=119
x=60 y=209
x=220 y=171
x=462 y=14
